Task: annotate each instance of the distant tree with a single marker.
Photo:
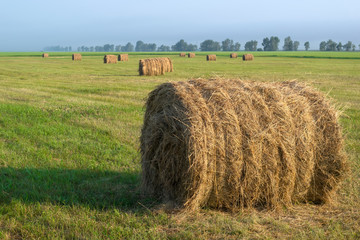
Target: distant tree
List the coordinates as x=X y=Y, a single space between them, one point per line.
x=353 y=47
x=127 y=48
x=348 y=46
x=296 y=45
x=359 y=46
x=288 y=44
x=322 y=46
x=70 y=48
x=180 y=46
x=118 y=48
x=139 y=46
x=163 y=48
x=91 y=49
x=307 y=46
x=251 y=45
x=99 y=49
x=210 y=45
x=271 y=44
x=229 y=45
x=237 y=46
x=192 y=47
x=79 y=49
x=108 y=47
x=259 y=49
x=331 y=45
x=339 y=46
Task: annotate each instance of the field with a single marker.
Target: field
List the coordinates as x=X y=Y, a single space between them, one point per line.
x=69 y=148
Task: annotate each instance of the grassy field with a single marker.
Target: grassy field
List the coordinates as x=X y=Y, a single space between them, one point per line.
x=69 y=141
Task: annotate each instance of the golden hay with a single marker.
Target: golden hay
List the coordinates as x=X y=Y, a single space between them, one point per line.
x=248 y=57
x=155 y=66
x=233 y=55
x=211 y=57
x=45 y=55
x=182 y=54
x=110 y=59
x=76 y=57
x=231 y=144
x=123 y=57
x=191 y=55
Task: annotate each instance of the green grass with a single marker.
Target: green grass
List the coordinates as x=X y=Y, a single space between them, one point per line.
x=69 y=141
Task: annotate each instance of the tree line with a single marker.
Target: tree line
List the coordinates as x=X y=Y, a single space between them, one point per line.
x=268 y=44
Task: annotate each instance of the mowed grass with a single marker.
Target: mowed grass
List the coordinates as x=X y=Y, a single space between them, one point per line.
x=69 y=148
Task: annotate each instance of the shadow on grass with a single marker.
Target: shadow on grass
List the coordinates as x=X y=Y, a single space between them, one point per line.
x=95 y=189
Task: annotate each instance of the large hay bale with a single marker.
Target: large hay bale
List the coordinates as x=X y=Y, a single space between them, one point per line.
x=110 y=59
x=231 y=144
x=76 y=57
x=211 y=57
x=123 y=57
x=155 y=66
x=191 y=55
x=45 y=55
x=233 y=55
x=248 y=57
x=182 y=54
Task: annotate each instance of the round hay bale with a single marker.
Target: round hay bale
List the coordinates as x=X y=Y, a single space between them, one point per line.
x=191 y=55
x=248 y=57
x=76 y=57
x=123 y=57
x=231 y=144
x=211 y=57
x=110 y=59
x=45 y=55
x=182 y=54
x=233 y=55
x=155 y=66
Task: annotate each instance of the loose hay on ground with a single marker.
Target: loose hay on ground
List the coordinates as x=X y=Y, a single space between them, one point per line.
x=155 y=66
x=232 y=144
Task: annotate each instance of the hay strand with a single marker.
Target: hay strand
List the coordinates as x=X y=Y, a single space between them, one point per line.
x=231 y=144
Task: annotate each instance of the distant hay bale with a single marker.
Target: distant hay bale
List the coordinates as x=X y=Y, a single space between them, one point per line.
x=76 y=57
x=248 y=57
x=155 y=66
x=233 y=55
x=45 y=55
x=123 y=57
x=182 y=54
x=232 y=144
x=191 y=55
x=110 y=59
x=211 y=57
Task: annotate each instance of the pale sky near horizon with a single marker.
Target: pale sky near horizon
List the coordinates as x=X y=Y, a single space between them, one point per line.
x=31 y=25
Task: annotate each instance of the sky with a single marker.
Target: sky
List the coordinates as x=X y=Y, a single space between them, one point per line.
x=31 y=25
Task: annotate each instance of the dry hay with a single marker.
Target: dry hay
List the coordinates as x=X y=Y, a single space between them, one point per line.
x=110 y=59
x=76 y=57
x=248 y=57
x=233 y=55
x=123 y=57
x=191 y=55
x=182 y=54
x=45 y=55
x=155 y=66
x=211 y=57
x=231 y=144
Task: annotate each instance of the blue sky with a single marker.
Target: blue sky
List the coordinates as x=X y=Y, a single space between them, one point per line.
x=30 y=25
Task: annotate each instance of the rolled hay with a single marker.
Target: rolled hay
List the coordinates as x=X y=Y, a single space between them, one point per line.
x=110 y=59
x=248 y=57
x=155 y=66
x=232 y=144
x=123 y=57
x=233 y=55
x=45 y=55
x=76 y=57
x=211 y=57
x=191 y=55
x=182 y=54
